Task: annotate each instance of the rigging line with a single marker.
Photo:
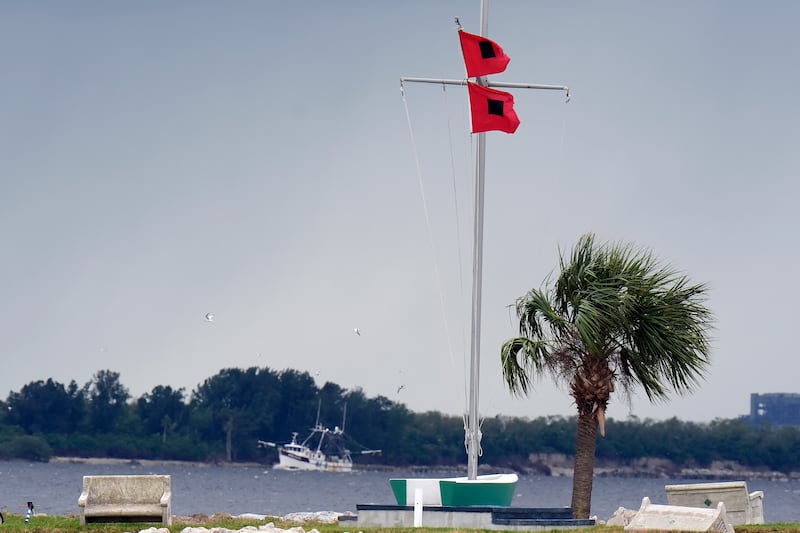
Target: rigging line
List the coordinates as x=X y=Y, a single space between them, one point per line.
x=455 y=190
x=469 y=163
x=465 y=418
x=428 y=223
x=458 y=238
x=562 y=158
x=469 y=150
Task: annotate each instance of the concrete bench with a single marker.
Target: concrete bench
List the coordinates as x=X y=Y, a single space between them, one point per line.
x=741 y=506
x=126 y=499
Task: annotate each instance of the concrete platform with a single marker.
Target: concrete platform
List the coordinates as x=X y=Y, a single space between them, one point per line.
x=471 y=517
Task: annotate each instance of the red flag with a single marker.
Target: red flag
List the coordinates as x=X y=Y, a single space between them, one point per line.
x=481 y=55
x=491 y=109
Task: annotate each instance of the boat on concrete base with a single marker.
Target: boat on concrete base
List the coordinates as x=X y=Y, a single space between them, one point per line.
x=471 y=496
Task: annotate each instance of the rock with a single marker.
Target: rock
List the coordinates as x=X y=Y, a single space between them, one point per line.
x=325 y=517
x=621 y=517
x=252 y=516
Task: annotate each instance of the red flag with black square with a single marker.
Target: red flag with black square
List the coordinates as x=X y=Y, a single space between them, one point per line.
x=481 y=55
x=491 y=109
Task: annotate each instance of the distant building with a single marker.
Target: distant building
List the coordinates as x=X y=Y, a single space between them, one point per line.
x=776 y=408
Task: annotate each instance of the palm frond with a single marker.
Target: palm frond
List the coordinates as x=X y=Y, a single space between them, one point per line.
x=523 y=360
x=618 y=303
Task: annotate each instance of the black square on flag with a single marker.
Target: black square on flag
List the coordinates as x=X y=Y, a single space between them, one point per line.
x=495 y=107
x=487 y=50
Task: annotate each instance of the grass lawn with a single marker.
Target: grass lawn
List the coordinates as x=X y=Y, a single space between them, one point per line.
x=71 y=524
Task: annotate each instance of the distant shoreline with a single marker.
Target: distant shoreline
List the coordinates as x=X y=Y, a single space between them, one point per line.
x=144 y=462
x=553 y=465
x=225 y=464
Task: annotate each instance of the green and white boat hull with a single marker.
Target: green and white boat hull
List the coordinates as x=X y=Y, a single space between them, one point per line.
x=485 y=490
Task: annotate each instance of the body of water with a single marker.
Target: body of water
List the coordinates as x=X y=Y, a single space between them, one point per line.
x=54 y=489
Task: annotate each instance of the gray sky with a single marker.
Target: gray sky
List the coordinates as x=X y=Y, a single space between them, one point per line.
x=164 y=160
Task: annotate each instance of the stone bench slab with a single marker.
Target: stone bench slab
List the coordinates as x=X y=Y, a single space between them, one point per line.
x=144 y=498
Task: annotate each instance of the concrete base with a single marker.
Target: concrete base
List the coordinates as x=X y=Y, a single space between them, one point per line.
x=472 y=517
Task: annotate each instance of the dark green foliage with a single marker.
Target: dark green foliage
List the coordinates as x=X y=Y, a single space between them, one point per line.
x=238 y=406
x=29 y=447
x=47 y=406
x=262 y=404
x=108 y=400
x=162 y=411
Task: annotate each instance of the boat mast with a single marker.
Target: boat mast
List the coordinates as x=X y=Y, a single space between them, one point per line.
x=472 y=427
x=472 y=432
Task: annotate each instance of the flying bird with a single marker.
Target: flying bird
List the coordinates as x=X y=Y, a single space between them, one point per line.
x=357 y=331
x=401 y=387
x=209 y=317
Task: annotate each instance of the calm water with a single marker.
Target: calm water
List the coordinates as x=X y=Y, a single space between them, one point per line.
x=54 y=489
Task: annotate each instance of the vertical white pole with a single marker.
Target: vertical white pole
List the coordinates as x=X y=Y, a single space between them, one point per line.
x=418 y=507
x=473 y=429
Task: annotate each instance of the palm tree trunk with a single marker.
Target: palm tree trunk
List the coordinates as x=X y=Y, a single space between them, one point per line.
x=583 y=472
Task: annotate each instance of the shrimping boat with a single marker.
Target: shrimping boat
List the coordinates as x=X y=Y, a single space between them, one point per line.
x=323 y=450
x=316 y=452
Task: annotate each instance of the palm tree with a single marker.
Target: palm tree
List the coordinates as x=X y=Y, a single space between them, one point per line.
x=614 y=319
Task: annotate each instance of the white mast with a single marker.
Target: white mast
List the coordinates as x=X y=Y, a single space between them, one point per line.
x=472 y=431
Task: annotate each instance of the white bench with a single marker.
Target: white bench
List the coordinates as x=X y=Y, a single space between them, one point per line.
x=742 y=507
x=126 y=499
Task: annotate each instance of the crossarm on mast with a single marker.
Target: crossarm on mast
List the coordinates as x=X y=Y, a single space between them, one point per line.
x=506 y=85
x=489 y=84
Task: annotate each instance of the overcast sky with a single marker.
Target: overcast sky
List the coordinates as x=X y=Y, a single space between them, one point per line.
x=164 y=160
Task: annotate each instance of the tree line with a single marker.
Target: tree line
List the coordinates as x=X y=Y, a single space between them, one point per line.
x=224 y=417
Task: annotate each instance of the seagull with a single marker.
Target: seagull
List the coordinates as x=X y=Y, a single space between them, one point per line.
x=357 y=331
x=401 y=387
x=209 y=317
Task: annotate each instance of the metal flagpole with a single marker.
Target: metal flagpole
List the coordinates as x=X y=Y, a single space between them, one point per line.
x=472 y=430
x=472 y=433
